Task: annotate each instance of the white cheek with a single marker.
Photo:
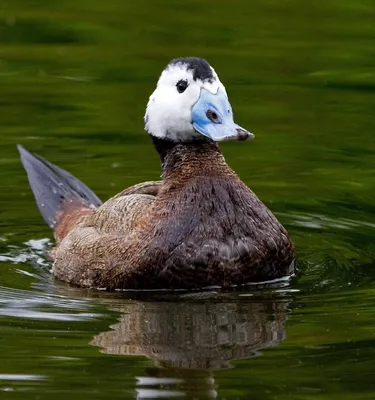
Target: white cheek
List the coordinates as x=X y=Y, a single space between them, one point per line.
x=168 y=113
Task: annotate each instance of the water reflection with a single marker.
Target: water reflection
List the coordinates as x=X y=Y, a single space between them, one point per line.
x=187 y=341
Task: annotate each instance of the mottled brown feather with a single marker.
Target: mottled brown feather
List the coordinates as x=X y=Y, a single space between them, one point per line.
x=68 y=218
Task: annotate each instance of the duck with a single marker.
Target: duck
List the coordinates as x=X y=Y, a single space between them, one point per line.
x=199 y=226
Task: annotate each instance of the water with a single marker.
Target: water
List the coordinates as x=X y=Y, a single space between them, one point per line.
x=75 y=77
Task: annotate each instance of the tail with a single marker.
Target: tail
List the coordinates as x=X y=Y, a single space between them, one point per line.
x=56 y=190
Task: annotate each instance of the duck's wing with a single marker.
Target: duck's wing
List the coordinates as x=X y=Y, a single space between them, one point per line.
x=120 y=215
x=150 y=188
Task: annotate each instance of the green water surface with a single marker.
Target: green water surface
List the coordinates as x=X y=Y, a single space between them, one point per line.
x=75 y=76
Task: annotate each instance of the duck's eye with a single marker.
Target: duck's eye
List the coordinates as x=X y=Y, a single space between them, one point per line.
x=181 y=86
x=212 y=116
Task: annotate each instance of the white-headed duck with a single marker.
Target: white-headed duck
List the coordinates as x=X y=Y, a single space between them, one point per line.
x=199 y=226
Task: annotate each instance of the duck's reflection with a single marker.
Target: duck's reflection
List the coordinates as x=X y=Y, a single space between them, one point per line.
x=188 y=340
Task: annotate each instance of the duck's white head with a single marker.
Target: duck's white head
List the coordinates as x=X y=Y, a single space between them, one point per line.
x=190 y=101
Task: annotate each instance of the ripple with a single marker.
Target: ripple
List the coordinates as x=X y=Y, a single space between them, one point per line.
x=320 y=221
x=34 y=252
x=158 y=394
x=39 y=306
x=21 y=377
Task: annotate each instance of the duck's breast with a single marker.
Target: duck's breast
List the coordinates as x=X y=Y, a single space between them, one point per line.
x=216 y=230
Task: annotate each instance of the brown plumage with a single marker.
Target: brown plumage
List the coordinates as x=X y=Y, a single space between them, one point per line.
x=200 y=226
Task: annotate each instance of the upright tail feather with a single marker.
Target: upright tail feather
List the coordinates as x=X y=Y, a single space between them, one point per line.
x=53 y=187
